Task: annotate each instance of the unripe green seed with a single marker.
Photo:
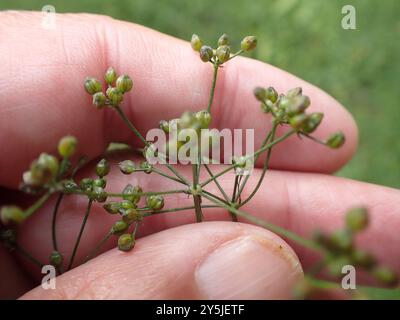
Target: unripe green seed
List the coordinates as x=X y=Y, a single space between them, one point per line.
x=336 y=140
x=164 y=126
x=92 y=85
x=115 y=96
x=127 y=166
x=127 y=204
x=110 y=76
x=223 y=40
x=112 y=207
x=70 y=186
x=203 y=118
x=295 y=105
x=363 y=259
x=67 y=146
x=341 y=241
x=100 y=182
x=86 y=184
x=126 y=242
x=312 y=123
x=102 y=168
x=260 y=93
x=294 y=92
x=56 y=259
x=99 y=100
x=132 y=193
x=50 y=162
x=298 y=121
x=357 y=219
x=206 y=53
x=124 y=83
x=99 y=194
x=223 y=53
x=12 y=215
x=196 y=42
x=119 y=227
x=130 y=215
x=155 y=202
x=248 y=43
x=271 y=94
x=385 y=275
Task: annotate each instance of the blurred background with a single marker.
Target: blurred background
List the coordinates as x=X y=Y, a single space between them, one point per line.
x=360 y=68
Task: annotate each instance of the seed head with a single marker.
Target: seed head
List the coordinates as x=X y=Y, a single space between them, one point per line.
x=67 y=146
x=248 y=43
x=155 y=202
x=102 y=168
x=92 y=85
x=206 y=53
x=110 y=76
x=196 y=42
x=126 y=242
x=336 y=140
x=124 y=83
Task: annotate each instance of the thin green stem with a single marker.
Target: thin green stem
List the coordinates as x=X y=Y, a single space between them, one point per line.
x=214 y=82
x=216 y=197
x=78 y=240
x=27 y=255
x=161 y=173
x=38 y=204
x=264 y=171
x=203 y=206
x=274 y=228
x=236 y=54
x=196 y=198
x=235 y=189
x=217 y=183
x=149 y=193
x=54 y=221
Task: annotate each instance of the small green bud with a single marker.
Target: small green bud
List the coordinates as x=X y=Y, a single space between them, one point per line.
x=298 y=121
x=248 y=43
x=206 y=53
x=126 y=242
x=12 y=215
x=196 y=42
x=341 y=240
x=110 y=76
x=124 y=83
x=112 y=207
x=50 y=162
x=102 y=168
x=266 y=106
x=130 y=215
x=271 y=94
x=100 y=182
x=336 y=265
x=223 y=53
x=70 y=186
x=92 y=85
x=86 y=184
x=99 y=194
x=312 y=122
x=43 y=170
x=385 y=275
x=203 y=118
x=127 y=166
x=260 y=93
x=295 y=105
x=223 y=40
x=99 y=100
x=155 y=202
x=164 y=126
x=115 y=96
x=146 y=167
x=67 y=146
x=119 y=227
x=56 y=259
x=132 y=193
x=294 y=92
x=357 y=219
x=363 y=259
x=336 y=140
x=127 y=204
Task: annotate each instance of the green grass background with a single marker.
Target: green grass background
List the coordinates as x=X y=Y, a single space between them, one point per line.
x=360 y=68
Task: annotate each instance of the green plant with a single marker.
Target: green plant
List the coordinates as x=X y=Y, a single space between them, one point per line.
x=49 y=176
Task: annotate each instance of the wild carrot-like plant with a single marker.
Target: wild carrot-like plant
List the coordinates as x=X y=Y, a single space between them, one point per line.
x=55 y=176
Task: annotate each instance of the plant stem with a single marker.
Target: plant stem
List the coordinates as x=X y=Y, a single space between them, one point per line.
x=89 y=206
x=274 y=228
x=264 y=171
x=149 y=193
x=196 y=198
x=161 y=173
x=214 y=82
x=54 y=220
x=27 y=255
x=233 y=216
x=204 y=206
x=217 y=183
x=38 y=204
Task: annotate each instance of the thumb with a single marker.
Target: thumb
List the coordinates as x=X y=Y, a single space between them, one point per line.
x=212 y=260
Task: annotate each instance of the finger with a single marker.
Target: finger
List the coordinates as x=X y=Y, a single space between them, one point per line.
x=49 y=66
x=300 y=202
x=215 y=260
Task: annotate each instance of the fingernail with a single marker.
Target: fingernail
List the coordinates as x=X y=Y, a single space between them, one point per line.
x=249 y=268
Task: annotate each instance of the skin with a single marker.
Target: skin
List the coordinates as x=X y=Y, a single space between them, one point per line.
x=42 y=99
